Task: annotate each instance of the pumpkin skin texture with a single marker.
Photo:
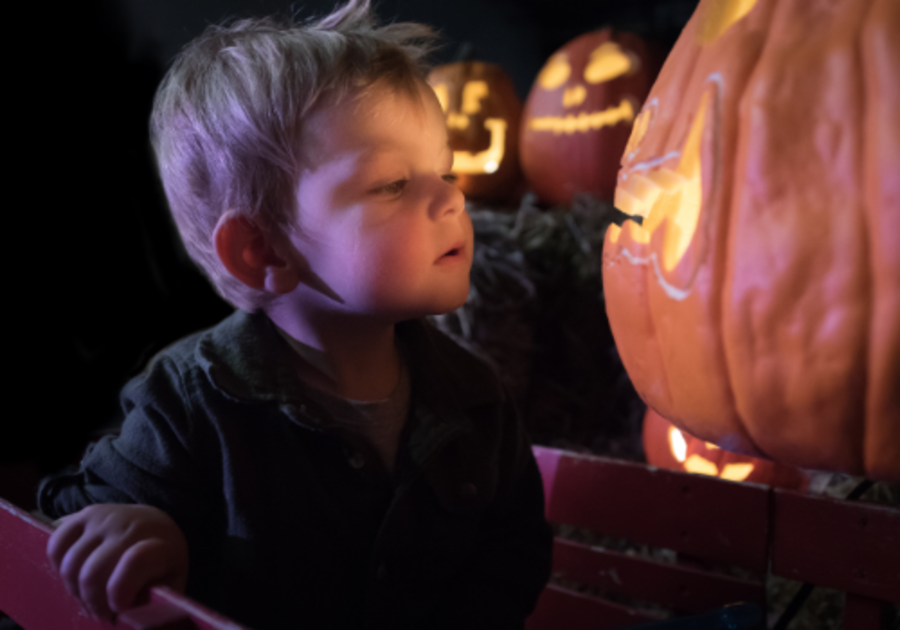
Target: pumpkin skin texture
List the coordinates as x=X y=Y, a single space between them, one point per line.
x=579 y=112
x=666 y=446
x=758 y=307
x=483 y=114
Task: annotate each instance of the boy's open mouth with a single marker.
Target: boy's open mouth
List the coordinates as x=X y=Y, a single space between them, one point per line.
x=452 y=253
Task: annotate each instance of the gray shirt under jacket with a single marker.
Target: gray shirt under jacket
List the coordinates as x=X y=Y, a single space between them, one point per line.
x=295 y=522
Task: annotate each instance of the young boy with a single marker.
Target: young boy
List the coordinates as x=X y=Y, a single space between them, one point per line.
x=322 y=457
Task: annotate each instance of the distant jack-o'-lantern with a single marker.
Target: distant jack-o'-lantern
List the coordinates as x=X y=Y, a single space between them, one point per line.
x=758 y=304
x=579 y=113
x=666 y=446
x=483 y=113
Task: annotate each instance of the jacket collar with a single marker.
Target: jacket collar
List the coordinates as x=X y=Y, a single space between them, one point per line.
x=247 y=360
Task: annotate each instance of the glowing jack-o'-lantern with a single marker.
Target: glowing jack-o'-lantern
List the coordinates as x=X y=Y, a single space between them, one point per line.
x=666 y=446
x=483 y=113
x=758 y=304
x=579 y=113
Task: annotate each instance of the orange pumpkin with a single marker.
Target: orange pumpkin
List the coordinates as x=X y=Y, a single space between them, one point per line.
x=666 y=446
x=483 y=113
x=579 y=112
x=758 y=306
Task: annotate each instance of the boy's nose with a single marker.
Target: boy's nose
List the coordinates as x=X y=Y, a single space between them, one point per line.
x=448 y=199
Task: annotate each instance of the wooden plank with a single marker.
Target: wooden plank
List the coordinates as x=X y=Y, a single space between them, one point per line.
x=847 y=545
x=30 y=590
x=562 y=609
x=678 y=588
x=704 y=516
x=865 y=613
x=33 y=594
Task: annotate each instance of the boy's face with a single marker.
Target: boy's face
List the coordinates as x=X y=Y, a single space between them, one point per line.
x=381 y=221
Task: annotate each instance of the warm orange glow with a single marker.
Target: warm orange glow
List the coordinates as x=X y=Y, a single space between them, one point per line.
x=584 y=121
x=487 y=161
x=700 y=466
x=473 y=92
x=677 y=444
x=719 y=16
x=641 y=123
x=574 y=96
x=663 y=193
x=555 y=72
x=736 y=472
x=608 y=62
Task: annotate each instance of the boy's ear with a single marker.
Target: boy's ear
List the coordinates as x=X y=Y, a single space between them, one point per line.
x=247 y=254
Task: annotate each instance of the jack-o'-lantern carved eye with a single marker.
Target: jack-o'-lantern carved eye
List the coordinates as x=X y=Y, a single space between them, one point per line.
x=607 y=62
x=721 y=15
x=667 y=193
x=555 y=72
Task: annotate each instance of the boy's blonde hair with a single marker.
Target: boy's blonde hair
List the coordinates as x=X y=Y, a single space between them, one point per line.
x=228 y=117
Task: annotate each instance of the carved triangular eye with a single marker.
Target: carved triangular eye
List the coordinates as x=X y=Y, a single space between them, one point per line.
x=555 y=72
x=720 y=16
x=608 y=62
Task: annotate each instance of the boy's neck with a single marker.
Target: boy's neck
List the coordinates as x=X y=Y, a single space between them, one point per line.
x=348 y=358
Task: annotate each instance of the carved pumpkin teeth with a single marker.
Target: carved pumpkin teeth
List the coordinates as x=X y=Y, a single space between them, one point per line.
x=584 y=122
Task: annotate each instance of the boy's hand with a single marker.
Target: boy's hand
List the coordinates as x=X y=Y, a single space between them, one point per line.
x=108 y=555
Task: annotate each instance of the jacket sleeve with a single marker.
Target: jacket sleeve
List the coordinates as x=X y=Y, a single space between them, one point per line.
x=512 y=555
x=149 y=462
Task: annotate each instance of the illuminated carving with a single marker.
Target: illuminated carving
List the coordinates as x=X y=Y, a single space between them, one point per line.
x=608 y=61
x=584 y=122
x=487 y=161
x=579 y=114
x=555 y=73
x=574 y=96
x=702 y=466
x=664 y=193
x=467 y=162
x=719 y=16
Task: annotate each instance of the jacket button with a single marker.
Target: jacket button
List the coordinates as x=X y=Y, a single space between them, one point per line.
x=468 y=490
x=357 y=460
x=382 y=572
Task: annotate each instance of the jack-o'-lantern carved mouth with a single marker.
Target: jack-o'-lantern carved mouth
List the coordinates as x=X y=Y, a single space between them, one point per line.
x=479 y=162
x=700 y=465
x=585 y=121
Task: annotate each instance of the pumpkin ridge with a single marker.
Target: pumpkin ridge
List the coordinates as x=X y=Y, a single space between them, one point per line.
x=795 y=298
x=881 y=160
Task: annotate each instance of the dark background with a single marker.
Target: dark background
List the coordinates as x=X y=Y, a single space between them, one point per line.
x=99 y=279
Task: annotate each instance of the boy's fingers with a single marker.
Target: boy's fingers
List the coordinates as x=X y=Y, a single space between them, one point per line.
x=73 y=560
x=62 y=539
x=94 y=578
x=141 y=566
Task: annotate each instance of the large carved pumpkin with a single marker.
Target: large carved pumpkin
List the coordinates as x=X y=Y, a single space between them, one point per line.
x=579 y=113
x=483 y=112
x=758 y=306
x=666 y=446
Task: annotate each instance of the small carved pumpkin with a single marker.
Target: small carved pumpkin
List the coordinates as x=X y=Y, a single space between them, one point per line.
x=666 y=446
x=758 y=306
x=483 y=113
x=579 y=113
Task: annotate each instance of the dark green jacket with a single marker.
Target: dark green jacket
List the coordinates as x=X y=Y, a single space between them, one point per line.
x=292 y=524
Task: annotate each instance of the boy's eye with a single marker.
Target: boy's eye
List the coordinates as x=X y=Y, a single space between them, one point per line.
x=451 y=178
x=393 y=188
